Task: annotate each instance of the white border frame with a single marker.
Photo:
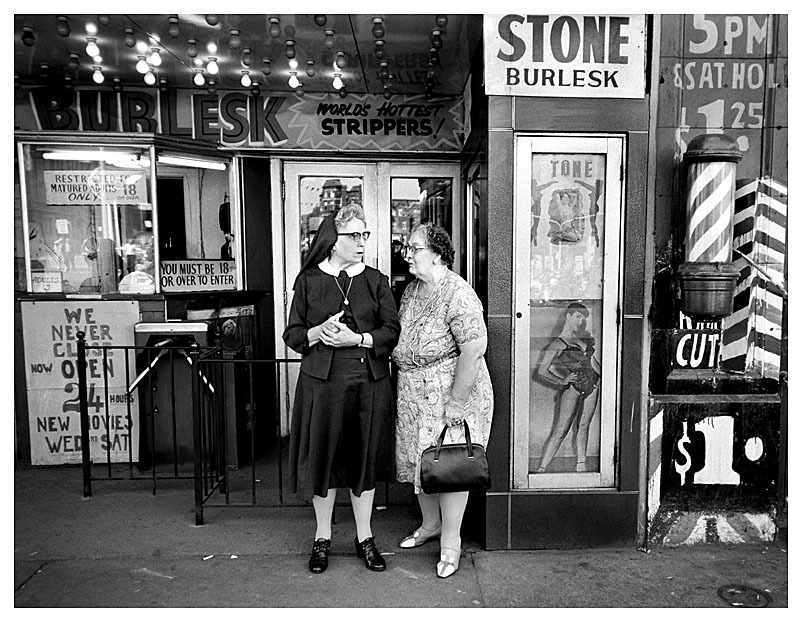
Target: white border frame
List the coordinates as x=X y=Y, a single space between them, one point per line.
x=613 y=147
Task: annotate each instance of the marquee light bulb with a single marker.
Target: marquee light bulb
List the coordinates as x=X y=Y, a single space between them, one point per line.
x=198 y=79
x=142 y=65
x=378 y=30
x=294 y=82
x=97 y=75
x=172 y=29
x=275 y=30
x=92 y=48
x=156 y=58
x=150 y=78
x=212 y=66
x=245 y=80
x=337 y=83
x=28 y=37
x=63 y=25
x=290 y=48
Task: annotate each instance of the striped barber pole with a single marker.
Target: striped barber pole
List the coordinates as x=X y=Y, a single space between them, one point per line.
x=751 y=336
x=708 y=209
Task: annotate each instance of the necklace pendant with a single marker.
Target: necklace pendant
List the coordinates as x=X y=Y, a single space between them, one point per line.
x=346 y=301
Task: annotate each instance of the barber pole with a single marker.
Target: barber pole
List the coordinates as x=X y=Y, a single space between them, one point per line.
x=707 y=278
x=709 y=207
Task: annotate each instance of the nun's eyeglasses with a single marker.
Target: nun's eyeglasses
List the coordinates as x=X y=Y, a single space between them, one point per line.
x=356 y=235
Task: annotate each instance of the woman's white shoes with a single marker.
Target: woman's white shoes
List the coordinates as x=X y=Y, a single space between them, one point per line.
x=419 y=537
x=449 y=563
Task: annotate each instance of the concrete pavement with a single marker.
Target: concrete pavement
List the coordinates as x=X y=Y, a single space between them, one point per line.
x=124 y=547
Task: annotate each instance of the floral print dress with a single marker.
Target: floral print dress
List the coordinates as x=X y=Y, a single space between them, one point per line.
x=426 y=357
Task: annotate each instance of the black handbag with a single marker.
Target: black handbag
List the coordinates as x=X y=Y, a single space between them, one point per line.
x=454 y=466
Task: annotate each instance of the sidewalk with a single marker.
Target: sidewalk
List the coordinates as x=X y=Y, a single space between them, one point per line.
x=127 y=548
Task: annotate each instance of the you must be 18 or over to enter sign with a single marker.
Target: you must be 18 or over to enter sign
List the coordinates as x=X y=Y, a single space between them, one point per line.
x=198 y=275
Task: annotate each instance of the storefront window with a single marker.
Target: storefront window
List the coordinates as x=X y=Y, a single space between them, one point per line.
x=89 y=219
x=569 y=273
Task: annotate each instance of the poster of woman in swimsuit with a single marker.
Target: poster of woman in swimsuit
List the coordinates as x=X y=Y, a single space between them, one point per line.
x=566 y=289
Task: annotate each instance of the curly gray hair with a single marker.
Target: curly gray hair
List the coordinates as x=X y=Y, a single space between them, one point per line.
x=348 y=212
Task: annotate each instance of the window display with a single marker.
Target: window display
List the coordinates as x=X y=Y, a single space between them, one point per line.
x=89 y=219
x=93 y=226
x=569 y=196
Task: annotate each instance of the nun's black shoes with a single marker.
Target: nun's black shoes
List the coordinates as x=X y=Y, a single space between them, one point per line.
x=319 y=560
x=367 y=549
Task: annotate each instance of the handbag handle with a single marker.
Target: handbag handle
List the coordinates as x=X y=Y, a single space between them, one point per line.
x=469 y=449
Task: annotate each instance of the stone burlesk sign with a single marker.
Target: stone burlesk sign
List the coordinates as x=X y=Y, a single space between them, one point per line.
x=237 y=119
x=565 y=55
x=50 y=335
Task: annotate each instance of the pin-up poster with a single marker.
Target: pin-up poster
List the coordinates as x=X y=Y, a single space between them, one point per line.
x=50 y=331
x=566 y=289
x=567 y=217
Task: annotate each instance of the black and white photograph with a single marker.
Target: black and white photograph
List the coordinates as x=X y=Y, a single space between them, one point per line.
x=388 y=311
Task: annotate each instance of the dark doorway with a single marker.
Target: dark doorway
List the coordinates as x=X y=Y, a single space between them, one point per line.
x=172 y=235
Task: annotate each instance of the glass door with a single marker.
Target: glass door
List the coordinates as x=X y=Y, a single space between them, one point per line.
x=396 y=198
x=568 y=203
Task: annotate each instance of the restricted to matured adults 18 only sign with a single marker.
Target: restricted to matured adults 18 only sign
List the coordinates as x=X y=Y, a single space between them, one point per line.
x=565 y=55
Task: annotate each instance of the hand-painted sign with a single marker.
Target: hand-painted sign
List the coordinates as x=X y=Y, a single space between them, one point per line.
x=198 y=275
x=49 y=331
x=94 y=187
x=723 y=77
x=46 y=281
x=696 y=344
x=237 y=119
x=565 y=55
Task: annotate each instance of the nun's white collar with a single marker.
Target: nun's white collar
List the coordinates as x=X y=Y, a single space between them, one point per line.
x=351 y=271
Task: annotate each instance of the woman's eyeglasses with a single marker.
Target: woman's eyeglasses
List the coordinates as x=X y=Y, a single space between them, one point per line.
x=356 y=235
x=412 y=250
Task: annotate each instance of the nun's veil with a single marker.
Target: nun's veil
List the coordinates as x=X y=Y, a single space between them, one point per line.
x=321 y=246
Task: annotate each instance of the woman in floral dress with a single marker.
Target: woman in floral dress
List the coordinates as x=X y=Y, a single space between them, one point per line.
x=443 y=379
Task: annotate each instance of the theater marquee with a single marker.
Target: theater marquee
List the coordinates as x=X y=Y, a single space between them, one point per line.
x=565 y=55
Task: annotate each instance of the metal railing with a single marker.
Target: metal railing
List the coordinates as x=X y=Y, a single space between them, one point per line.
x=234 y=447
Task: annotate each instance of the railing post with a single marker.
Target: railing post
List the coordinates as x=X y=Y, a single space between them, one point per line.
x=84 y=411
x=197 y=440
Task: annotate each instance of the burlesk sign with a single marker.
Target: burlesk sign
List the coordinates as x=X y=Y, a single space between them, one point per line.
x=565 y=55
x=242 y=120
